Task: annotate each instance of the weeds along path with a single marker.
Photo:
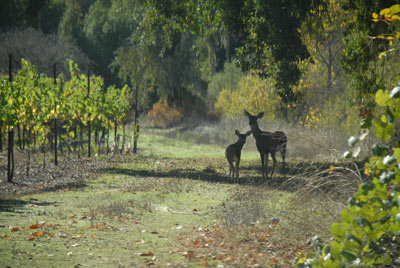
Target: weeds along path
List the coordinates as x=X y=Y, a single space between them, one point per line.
x=165 y=209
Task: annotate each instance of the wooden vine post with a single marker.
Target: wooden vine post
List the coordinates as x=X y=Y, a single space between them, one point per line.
x=10 y=152
x=136 y=134
x=88 y=96
x=55 y=119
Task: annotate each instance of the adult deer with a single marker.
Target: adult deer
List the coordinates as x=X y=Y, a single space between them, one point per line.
x=233 y=152
x=267 y=143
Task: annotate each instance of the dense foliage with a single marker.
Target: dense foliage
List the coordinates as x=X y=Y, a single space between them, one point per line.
x=368 y=234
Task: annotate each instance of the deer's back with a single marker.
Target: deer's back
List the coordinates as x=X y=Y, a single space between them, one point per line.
x=267 y=142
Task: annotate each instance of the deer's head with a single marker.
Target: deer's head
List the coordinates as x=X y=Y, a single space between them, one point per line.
x=253 y=119
x=242 y=137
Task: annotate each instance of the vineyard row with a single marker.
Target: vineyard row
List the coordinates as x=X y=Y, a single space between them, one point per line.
x=56 y=111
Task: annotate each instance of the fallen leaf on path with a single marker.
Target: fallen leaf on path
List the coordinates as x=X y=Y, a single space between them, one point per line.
x=37 y=234
x=147 y=254
x=15 y=229
x=188 y=254
x=204 y=263
x=231 y=258
x=35 y=226
x=273 y=260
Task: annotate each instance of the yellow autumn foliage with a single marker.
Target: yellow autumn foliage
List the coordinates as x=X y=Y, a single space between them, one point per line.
x=253 y=93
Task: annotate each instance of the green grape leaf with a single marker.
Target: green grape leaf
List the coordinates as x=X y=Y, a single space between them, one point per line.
x=384 y=131
x=382 y=97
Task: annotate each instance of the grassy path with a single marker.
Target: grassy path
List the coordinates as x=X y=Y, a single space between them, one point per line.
x=171 y=206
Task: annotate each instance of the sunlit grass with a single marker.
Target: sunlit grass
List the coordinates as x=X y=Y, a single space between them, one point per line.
x=157 y=144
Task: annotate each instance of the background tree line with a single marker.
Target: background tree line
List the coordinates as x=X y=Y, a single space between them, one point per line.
x=304 y=61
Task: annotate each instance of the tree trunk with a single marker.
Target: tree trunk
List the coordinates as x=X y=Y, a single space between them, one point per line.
x=75 y=134
x=123 y=138
x=19 y=136
x=108 y=139
x=1 y=137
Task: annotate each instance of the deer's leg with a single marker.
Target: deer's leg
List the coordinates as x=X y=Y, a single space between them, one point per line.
x=274 y=160
x=231 y=169
x=266 y=165
x=237 y=170
x=262 y=164
x=283 y=153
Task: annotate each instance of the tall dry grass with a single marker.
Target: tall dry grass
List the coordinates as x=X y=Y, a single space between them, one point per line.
x=303 y=143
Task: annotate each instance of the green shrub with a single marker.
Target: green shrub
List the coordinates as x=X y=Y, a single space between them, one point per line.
x=369 y=232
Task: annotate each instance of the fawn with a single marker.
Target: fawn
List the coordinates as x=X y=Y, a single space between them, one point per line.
x=267 y=143
x=233 y=152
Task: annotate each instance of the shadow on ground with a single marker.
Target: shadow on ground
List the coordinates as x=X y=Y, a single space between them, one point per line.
x=249 y=175
x=297 y=175
x=12 y=205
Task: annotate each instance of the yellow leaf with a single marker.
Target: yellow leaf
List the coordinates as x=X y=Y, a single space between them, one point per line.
x=331 y=169
x=395 y=17
x=395 y=9
x=381 y=55
x=384 y=12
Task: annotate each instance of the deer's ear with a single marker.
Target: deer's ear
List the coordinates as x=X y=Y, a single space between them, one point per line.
x=237 y=132
x=248 y=133
x=246 y=112
x=260 y=115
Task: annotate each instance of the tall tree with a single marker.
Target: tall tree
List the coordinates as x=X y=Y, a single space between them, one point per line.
x=161 y=54
x=266 y=32
x=360 y=57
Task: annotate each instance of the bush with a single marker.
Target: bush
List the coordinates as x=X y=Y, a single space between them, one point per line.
x=162 y=115
x=253 y=93
x=228 y=79
x=369 y=232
